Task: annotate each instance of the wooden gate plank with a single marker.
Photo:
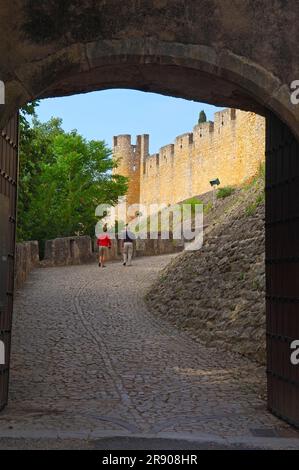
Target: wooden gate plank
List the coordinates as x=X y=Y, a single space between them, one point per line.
x=8 y=200
x=282 y=268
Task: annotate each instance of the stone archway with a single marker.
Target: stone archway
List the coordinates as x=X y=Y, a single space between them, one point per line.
x=230 y=53
x=227 y=53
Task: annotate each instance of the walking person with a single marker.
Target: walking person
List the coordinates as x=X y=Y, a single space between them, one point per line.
x=128 y=238
x=104 y=244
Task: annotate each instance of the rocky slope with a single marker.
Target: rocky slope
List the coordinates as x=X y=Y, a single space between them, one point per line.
x=217 y=293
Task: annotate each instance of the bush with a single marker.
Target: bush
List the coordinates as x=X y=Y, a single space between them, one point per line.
x=225 y=192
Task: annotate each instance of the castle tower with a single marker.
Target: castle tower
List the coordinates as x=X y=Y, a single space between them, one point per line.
x=130 y=162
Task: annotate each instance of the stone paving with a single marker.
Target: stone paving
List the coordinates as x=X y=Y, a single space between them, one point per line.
x=89 y=360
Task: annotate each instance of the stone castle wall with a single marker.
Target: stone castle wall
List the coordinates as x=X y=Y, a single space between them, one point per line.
x=231 y=148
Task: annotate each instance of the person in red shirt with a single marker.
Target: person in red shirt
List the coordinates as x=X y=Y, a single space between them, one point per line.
x=104 y=244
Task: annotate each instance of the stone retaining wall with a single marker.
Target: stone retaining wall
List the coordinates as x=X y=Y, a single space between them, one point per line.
x=217 y=294
x=78 y=250
x=158 y=247
x=145 y=248
x=27 y=257
x=67 y=251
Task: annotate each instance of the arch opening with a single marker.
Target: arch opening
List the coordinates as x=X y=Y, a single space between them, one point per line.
x=204 y=81
x=194 y=72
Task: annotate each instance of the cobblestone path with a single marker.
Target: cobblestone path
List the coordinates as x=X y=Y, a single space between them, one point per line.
x=88 y=359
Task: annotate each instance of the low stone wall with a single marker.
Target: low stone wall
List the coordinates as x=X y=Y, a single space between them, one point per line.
x=67 y=251
x=158 y=247
x=78 y=250
x=27 y=257
x=145 y=248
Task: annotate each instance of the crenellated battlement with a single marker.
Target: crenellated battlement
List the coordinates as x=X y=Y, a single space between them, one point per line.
x=230 y=148
x=123 y=139
x=224 y=118
x=203 y=130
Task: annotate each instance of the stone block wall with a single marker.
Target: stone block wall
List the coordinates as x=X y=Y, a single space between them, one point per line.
x=68 y=251
x=145 y=248
x=78 y=250
x=158 y=247
x=27 y=258
x=217 y=294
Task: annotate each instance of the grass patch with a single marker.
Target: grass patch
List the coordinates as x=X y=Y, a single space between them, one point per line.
x=251 y=208
x=225 y=192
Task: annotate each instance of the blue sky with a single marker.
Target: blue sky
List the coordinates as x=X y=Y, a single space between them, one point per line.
x=103 y=114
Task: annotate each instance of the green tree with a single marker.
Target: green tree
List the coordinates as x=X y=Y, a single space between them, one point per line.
x=35 y=149
x=63 y=177
x=202 y=117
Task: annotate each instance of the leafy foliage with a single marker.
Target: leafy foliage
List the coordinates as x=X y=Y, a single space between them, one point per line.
x=63 y=177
